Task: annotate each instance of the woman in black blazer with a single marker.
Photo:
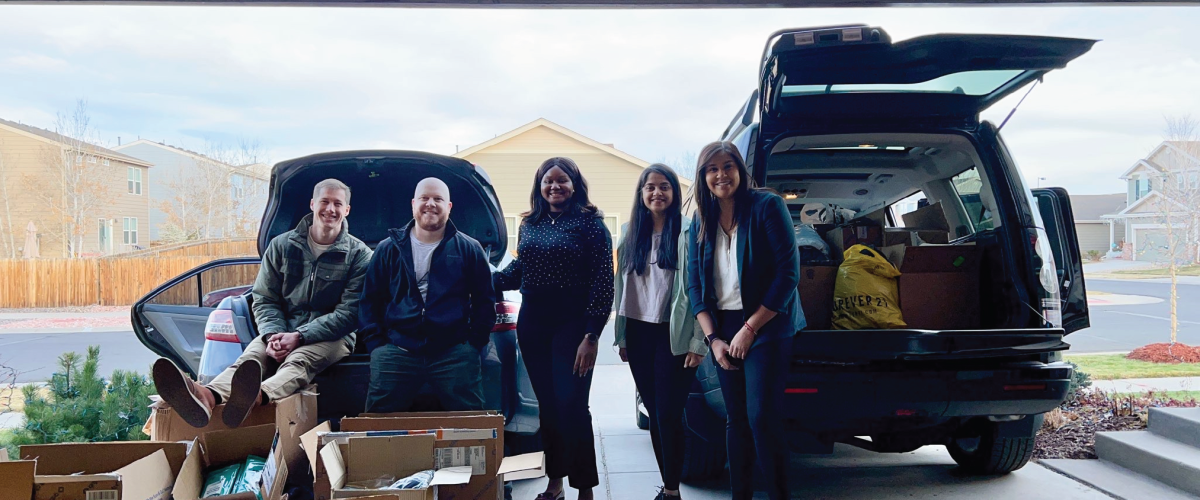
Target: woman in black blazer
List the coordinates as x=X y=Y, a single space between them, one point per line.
x=743 y=270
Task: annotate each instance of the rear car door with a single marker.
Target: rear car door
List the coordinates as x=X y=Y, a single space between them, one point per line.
x=170 y=320
x=1054 y=206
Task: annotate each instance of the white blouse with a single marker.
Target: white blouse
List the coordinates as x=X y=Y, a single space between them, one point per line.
x=725 y=272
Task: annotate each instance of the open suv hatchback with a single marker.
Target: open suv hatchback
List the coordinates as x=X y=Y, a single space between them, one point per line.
x=202 y=319
x=846 y=118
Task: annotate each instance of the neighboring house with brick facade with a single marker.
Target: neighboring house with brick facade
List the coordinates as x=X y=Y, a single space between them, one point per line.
x=33 y=159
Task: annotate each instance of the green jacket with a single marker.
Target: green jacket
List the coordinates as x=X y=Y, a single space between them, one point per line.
x=316 y=297
x=686 y=335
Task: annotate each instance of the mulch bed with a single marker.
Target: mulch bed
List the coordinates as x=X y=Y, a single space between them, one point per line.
x=1070 y=431
x=1166 y=353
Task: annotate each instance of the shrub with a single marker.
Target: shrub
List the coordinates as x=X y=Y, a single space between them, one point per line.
x=1094 y=255
x=83 y=407
x=1079 y=380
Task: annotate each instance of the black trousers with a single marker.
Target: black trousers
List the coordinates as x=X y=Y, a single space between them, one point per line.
x=397 y=376
x=754 y=402
x=663 y=383
x=549 y=330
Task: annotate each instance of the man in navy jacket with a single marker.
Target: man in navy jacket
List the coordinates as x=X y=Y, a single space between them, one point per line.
x=427 y=309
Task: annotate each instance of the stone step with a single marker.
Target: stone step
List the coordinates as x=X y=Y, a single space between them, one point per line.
x=1157 y=457
x=1179 y=424
x=1115 y=480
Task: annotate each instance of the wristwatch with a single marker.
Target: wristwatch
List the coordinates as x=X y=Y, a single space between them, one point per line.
x=591 y=337
x=708 y=339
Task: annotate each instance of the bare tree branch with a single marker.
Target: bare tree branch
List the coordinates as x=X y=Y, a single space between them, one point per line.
x=1179 y=204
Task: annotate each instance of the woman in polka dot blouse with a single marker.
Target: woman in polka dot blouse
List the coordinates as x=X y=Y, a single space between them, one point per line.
x=564 y=270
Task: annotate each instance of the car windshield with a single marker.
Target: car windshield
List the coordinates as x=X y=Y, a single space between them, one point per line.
x=975 y=83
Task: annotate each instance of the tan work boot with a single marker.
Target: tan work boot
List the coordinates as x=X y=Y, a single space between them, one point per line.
x=193 y=402
x=244 y=393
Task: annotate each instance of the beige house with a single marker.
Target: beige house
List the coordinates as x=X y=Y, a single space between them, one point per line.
x=1166 y=181
x=511 y=159
x=104 y=210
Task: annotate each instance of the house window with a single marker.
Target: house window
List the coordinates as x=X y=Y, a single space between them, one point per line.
x=134 y=180
x=79 y=159
x=130 y=232
x=1141 y=187
x=512 y=224
x=91 y=159
x=107 y=163
x=614 y=227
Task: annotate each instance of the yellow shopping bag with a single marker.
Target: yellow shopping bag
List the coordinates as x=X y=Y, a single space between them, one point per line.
x=866 y=294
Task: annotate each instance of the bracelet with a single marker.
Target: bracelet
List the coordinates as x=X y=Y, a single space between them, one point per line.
x=709 y=339
x=753 y=332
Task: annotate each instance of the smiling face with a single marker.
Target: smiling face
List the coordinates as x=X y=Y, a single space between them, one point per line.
x=330 y=207
x=557 y=188
x=431 y=204
x=721 y=176
x=657 y=194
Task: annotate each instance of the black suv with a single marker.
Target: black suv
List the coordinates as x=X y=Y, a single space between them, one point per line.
x=846 y=118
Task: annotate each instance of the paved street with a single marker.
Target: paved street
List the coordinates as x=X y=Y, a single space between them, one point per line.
x=35 y=355
x=1126 y=327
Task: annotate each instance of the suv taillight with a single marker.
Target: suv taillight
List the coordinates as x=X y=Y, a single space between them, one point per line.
x=219 y=327
x=506 y=316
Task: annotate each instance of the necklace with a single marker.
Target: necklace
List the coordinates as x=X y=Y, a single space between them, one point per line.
x=554 y=219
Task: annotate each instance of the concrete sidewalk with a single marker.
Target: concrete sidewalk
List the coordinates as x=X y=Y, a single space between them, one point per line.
x=1147 y=384
x=64 y=322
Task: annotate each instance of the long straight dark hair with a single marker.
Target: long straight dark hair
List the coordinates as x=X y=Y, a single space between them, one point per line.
x=579 y=202
x=708 y=207
x=634 y=252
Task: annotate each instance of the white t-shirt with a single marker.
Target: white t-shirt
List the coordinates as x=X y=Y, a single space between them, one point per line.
x=725 y=272
x=648 y=297
x=317 y=248
x=422 y=256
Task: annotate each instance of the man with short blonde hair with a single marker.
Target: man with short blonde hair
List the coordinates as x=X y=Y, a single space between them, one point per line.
x=306 y=309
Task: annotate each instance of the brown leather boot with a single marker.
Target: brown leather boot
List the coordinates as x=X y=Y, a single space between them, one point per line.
x=192 y=401
x=244 y=392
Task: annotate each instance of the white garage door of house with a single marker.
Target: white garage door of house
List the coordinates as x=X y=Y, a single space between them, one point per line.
x=1151 y=245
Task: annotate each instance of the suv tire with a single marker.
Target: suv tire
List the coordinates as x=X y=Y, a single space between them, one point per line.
x=979 y=449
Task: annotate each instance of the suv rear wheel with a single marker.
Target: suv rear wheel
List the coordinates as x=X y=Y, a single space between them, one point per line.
x=979 y=449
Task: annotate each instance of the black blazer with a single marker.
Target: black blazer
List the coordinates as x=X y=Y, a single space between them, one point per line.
x=768 y=266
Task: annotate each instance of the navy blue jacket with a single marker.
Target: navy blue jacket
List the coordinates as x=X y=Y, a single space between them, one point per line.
x=461 y=305
x=768 y=264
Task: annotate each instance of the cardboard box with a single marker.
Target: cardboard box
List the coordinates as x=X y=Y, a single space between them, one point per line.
x=842 y=238
x=487 y=447
x=913 y=237
x=16 y=478
x=368 y=458
x=930 y=218
x=138 y=470
x=292 y=417
x=221 y=448
x=484 y=483
x=939 y=287
x=816 y=295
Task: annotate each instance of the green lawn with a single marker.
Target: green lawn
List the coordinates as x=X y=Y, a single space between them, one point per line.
x=1115 y=366
x=1161 y=272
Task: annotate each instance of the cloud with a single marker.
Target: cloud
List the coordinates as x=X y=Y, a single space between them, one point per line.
x=657 y=83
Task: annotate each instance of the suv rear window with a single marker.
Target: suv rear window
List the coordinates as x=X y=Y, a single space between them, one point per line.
x=975 y=83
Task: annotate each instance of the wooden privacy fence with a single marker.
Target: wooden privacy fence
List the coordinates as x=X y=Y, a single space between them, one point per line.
x=116 y=281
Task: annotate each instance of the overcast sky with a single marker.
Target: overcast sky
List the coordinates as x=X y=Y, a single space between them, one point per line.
x=657 y=84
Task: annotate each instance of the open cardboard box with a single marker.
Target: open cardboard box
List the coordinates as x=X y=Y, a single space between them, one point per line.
x=939 y=285
x=221 y=448
x=135 y=470
x=394 y=457
x=16 y=478
x=483 y=452
x=291 y=416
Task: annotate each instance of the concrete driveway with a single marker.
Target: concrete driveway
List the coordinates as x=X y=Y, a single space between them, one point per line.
x=628 y=470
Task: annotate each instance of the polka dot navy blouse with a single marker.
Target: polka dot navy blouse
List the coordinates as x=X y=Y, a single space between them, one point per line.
x=565 y=255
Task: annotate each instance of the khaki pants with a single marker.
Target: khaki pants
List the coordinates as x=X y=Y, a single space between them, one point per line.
x=284 y=379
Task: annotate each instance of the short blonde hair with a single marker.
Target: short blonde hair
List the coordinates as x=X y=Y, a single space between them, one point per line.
x=331 y=184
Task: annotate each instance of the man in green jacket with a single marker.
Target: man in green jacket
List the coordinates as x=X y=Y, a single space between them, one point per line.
x=306 y=309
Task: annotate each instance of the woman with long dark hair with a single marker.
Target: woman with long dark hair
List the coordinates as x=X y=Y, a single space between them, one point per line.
x=743 y=270
x=654 y=326
x=564 y=270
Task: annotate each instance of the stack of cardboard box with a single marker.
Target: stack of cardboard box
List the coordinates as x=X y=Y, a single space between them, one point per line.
x=939 y=282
